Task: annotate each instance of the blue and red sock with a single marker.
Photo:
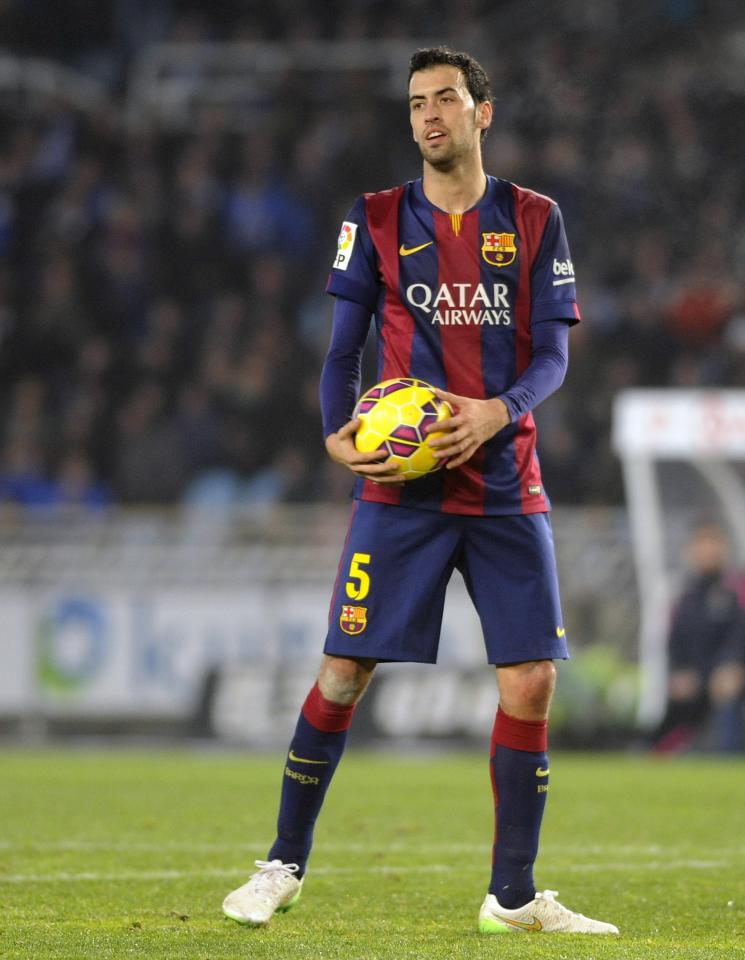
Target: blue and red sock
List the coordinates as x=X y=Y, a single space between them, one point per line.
x=519 y=772
x=314 y=754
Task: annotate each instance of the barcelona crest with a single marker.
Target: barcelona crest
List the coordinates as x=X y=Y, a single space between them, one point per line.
x=353 y=619
x=498 y=249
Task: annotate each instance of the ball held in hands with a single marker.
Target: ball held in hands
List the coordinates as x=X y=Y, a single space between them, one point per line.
x=394 y=416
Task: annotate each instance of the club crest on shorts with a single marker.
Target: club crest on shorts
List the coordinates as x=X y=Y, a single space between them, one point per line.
x=498 y=249
x=353 y=619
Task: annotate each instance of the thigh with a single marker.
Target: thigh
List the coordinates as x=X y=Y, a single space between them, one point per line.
x=509 y=567
x=390 y=589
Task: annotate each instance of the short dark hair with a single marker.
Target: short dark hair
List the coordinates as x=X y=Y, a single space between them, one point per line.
x=477 y=81
x=476 y=78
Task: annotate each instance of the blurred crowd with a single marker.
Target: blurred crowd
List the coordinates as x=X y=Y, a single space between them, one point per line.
x=162 y=316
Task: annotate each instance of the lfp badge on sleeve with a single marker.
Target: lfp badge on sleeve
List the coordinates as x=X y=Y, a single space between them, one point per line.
x=345 y=245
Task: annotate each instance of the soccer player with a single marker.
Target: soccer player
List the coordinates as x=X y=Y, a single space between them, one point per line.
x=471 y=285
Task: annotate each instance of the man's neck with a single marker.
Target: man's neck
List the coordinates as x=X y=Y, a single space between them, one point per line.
x=457 y=190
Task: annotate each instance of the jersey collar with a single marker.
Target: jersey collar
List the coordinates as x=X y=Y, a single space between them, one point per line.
x=420 y=197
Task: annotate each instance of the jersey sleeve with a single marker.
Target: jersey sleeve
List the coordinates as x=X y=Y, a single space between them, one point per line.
x=546 y=371
x=340 y=376
x=354 y=273
x=553 y=292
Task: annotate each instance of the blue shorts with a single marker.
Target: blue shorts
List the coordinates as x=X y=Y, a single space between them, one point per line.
x=396 y=563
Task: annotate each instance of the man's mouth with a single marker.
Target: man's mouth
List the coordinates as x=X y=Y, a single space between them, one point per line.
x=434 y=135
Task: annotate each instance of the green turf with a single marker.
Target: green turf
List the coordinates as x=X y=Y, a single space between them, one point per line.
x=114 y=855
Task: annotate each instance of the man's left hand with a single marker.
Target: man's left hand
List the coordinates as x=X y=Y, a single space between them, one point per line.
x=474 y=422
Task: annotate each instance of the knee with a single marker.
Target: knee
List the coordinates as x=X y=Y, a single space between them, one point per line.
x=525 y=689
x=538 y=684
x=344 y=680
x=543 y=677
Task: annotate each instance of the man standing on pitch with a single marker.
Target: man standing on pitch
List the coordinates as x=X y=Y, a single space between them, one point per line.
x=471 y=284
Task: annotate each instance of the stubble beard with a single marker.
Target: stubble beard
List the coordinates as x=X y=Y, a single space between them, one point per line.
x=442 y=164
x=448 y=160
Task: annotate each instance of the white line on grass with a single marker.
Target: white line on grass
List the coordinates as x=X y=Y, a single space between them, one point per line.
x=135 y=875
x=125 y=846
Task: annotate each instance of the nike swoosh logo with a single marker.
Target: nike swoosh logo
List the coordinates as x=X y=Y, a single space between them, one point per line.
x=292 y=756
x=534 y=924
x=540 y=772
x=407 y=251
x=560 y=631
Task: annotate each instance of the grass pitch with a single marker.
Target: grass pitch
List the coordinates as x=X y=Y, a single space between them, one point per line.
x=120 y=854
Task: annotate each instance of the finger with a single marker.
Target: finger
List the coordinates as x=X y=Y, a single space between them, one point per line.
x=448 y=440
x=450 y=397
x=377 y=469
x=452 y=444
x=385 y=475
x=452 y=423
x=348 y=429
x=372 y=457
x=459 y=450
x=387 y=480
x=466 y=455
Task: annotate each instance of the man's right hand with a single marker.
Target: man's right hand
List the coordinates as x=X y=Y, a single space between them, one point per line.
x=373 y=466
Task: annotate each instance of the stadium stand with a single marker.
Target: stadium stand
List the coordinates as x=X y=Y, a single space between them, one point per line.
x=162 y=324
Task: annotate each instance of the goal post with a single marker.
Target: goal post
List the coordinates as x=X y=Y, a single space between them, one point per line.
x=706 y=429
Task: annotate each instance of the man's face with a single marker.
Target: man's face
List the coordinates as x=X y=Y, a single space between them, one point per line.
x=708 y=550
x=446 y=122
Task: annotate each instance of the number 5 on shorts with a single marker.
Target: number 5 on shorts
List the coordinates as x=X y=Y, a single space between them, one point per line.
x=358 y=585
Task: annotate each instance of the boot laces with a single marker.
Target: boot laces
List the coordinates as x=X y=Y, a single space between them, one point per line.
x=549 y=896
x=270 y=875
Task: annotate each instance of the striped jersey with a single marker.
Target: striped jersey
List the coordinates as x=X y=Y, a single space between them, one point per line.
x=454 y=298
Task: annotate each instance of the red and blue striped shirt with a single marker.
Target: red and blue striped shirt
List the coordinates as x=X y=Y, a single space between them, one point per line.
x=456 y=298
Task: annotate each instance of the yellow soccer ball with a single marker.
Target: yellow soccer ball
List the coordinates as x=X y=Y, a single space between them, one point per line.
x=393 y=417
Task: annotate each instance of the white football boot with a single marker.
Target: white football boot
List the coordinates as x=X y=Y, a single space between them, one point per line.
x=543 y=914
x=272 y=889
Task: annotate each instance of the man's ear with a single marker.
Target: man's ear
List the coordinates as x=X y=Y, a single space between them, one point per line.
x=484 y=115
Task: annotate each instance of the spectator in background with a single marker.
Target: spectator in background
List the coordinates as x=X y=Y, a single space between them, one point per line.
x=706 y=684
x=75 y=486
x=151 y=465
x=57 y=324
x=23 y=480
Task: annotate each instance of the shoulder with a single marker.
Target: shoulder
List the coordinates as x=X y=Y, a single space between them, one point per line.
x=383 y=198
x=530 y=200
x=365 y=203
x=381 y=208
x=537 y=217
x=390 y=192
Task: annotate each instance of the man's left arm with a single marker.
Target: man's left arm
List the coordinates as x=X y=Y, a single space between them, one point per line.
x=477 y=421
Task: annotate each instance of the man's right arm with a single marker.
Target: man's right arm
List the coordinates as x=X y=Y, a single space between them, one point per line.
x=340 y=376
x=340 y=387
